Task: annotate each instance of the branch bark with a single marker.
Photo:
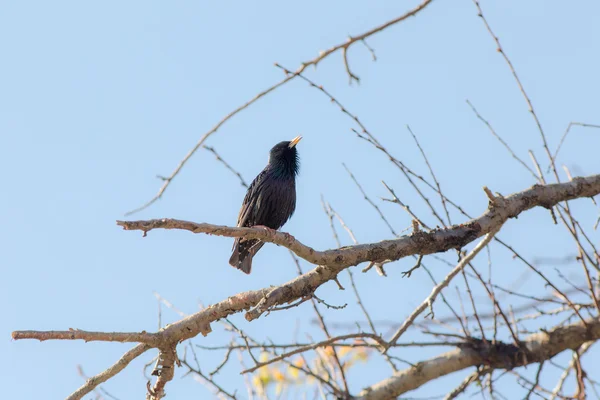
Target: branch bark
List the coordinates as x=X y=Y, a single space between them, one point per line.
x=535 y=348
x=75 y=334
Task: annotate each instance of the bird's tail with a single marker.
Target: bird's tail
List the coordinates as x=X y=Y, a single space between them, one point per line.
x=243 y=251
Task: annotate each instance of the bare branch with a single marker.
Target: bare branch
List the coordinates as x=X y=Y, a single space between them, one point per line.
x=76 y=334
x=493 y=132
x=564 y=136
x=226 y=164
x=329 y=264
x=98 y=389
x=437 y=289
x=535 y=348
x=406 y=208
x=437 y=183
x=165 y=371
x=465 y=384
x=439 y=240
x=209 y=381
x=370 y=201
x=117 y=367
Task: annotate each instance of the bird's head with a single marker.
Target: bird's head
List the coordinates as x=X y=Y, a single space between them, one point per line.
x=284 y=157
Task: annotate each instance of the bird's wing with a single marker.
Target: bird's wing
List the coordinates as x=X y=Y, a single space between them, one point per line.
x=250 y=200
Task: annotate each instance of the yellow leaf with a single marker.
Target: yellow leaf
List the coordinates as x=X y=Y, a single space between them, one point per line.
x=343 y=351
x=278 y=375
x=329 y=351
x=361 y=354
x=258 y=384
x=294 y=372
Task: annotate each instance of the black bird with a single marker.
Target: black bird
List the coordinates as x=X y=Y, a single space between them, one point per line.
x=269 y=202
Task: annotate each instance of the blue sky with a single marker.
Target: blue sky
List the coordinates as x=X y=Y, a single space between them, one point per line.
x=97 y=98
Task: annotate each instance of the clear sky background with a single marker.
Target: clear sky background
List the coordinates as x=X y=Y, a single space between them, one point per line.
x=97 y=98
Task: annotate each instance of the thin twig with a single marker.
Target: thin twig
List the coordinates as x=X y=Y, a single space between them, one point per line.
x=437 y=183
x=465 y=384
x=404 y=206
x=564 y=136
x=519 y=84
x=325 y=343
x=209 y=381
x=370 y=201
x=436 y=290
x=226 y=164
x=493 y=132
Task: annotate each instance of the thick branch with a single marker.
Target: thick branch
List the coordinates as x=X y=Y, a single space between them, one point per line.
x=331 y=262
x=199 y=322
x=439 y=240
x=535 y=348
x=165 y=371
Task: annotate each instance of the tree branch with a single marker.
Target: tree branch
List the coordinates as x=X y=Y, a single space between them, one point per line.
x=117 y=367
x=435 y=241
x=329 y=264
x=428 y=302
x=535 y=348
x=76 y=334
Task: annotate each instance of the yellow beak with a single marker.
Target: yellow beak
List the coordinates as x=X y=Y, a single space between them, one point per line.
x=295 y=141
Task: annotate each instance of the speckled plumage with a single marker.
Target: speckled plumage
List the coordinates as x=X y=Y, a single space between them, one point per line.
x=270 y=201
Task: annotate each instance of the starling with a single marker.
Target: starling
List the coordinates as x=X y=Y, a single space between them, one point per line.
x=269 y=202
